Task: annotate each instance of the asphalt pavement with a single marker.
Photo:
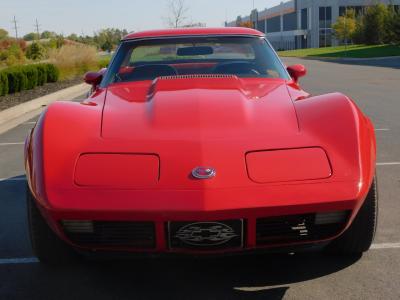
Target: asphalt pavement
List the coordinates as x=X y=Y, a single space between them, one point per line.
x=374 y=85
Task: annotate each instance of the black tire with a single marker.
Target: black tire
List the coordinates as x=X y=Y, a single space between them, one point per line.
x=359 y=236
x=46 y=245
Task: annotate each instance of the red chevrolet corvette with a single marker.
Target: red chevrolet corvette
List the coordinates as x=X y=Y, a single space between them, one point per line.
x=200 y=141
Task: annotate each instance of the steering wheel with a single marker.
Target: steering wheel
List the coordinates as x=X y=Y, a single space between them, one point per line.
x=238 y=67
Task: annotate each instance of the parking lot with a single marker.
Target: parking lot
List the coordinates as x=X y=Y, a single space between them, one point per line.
x=374 y=85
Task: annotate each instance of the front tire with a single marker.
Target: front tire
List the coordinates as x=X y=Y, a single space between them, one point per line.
x=46 y=245
x=359 y=236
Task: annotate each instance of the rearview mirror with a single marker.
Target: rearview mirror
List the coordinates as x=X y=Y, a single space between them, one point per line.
x=297 y=71
x=193 y=51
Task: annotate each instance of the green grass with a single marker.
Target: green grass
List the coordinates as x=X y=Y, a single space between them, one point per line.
x=353 y=51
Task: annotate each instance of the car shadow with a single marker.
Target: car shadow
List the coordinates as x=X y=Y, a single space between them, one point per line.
x=241 y=277
x=259 y=276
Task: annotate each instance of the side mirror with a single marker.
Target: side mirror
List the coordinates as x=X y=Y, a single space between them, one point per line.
x=93 y=78
x=297 y=71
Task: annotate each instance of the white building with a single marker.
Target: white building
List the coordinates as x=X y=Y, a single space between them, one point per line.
x=304 y=23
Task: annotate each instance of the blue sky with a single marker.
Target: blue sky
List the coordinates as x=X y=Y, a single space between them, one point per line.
x=67 y=16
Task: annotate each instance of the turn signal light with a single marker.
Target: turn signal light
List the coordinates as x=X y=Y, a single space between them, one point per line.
x=75 y=226
x=331 y=217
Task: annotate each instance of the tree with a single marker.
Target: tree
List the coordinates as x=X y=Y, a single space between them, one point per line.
x=3 y=34
x=48 y=35
x=73 y=37
x=345 y=26
x=375 y=21
x=14 y=55
x=31 y=36
x=393 y=26
x=35 y=51
x=21 y=43
x=59 y=41
x=198 y=24
x=108 y=38
x=107 y=46
x=239 y=21
x=247 y=24
x=5 y=44
x=177 y=10
x=358 y=35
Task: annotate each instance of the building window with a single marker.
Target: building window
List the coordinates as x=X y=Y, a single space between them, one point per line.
x=274 y=24
x=325 y=26
x=322 y=17
x=328 y=13
x=359 y=10
x=261 y=26
x=304 y=18
x=325 y=38
x=290 y=21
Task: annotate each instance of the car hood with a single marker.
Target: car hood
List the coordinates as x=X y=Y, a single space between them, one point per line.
x=199 y=109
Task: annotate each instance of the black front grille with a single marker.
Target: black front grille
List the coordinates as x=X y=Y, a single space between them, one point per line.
x=139 y=235
x=297 y=228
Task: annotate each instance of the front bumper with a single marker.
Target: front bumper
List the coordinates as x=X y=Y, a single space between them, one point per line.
x=161 y=207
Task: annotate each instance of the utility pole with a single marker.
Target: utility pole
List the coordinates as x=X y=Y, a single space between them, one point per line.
x=226 y=17
x=37 y=26
x=15 y=27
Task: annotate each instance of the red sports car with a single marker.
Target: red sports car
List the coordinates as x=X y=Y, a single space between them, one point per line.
x=200 y=141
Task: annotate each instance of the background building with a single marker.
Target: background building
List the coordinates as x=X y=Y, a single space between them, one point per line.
x=303 y=23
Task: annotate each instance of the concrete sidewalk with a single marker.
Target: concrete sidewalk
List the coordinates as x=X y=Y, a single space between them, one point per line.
x=20 y=113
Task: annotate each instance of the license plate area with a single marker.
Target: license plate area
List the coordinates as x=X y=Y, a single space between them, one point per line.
x=206 y=235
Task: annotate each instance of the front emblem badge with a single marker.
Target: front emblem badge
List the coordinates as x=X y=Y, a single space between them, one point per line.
x=203 y=173
x=206 y=234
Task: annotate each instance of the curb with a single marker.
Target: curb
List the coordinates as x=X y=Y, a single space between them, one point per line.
x=369 y=59
x=354 y=59
x=12 y=117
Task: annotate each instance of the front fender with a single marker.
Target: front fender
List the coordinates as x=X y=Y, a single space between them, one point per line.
x=345 y=131
x=58 y=135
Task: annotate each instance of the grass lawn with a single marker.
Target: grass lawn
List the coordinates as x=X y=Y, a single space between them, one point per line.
x=354 y=51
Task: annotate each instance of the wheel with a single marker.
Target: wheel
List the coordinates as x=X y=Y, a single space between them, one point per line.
x=46 y=245
x=359 y=236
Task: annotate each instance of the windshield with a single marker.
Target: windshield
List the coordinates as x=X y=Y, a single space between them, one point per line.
x=149 y=59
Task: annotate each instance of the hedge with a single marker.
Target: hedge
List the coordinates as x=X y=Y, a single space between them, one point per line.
x=31 y=74
x=42 y=74
x=19 y=78
x=53 y=73
x=3 y=84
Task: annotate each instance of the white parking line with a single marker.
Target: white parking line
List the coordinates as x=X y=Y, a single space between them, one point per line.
x=394 y=163
x=11 y=144
x=13 y=179
x=34 y=260
x=386 y=246
x=382 y=129
x=18 y=261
